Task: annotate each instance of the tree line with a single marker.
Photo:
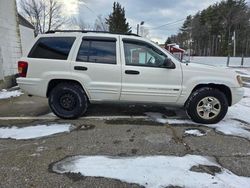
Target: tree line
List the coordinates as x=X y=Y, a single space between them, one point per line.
x=213 y=31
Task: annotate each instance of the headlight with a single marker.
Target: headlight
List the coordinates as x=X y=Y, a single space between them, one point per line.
x=239 y=79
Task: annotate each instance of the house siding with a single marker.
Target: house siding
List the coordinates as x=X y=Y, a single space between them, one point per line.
x=10 y=41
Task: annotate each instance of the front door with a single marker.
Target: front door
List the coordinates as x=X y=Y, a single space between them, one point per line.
x=143 y=77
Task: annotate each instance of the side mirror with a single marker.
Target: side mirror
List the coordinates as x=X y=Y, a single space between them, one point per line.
x=168 y=64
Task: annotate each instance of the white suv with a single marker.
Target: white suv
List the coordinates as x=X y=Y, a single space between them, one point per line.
x=75 y=69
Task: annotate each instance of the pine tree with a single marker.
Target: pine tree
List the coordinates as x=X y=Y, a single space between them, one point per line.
x=117 y=21
x=168 y=41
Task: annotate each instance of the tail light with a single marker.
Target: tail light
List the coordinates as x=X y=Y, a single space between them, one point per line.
x=22 y=68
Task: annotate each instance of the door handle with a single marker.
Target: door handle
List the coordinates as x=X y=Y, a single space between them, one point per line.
x=131 y=72
x=80 y=68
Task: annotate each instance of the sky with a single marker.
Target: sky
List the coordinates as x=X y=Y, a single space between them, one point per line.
x=154 y=13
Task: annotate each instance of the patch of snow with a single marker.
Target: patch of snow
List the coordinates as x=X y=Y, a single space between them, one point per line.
x=160 y=118
x=32 y=132
x=194 y=132
x=35 y=155
x=232 y=127
x=51 y=114
x=152 y=171
x=4 y=94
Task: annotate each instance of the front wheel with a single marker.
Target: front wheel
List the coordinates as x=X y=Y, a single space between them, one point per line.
x=207 y=106
x=68 y=101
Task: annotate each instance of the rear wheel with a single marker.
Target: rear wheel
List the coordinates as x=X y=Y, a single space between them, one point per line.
x=68 y=101
x=207 y=106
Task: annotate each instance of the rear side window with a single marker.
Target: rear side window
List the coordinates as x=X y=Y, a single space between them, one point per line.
x=52 y=48
x=97 y=51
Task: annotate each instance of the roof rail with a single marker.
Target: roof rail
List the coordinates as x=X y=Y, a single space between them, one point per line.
x=89 y=31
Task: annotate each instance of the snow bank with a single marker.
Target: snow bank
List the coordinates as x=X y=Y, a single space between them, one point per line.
x=153 y=171
x=32 y=132
x=4 y=94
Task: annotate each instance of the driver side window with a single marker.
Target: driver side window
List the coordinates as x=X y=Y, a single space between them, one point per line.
x=142 y=54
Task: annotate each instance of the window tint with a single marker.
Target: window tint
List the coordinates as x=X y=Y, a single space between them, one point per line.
x=97 y=51
x=143 y=54
x=52 y=48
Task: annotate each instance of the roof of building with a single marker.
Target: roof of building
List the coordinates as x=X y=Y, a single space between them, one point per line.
x=175 y=46
x=24 y=22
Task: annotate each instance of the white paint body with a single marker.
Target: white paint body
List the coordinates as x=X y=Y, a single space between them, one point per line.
x=108 y=82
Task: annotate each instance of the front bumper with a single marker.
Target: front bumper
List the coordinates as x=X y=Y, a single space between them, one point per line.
x=237 y=94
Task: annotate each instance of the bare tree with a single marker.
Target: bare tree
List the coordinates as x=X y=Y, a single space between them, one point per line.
x=43 y=14
x=100 y=24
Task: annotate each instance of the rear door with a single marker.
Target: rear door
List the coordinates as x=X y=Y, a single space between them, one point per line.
x=97 y=64
x=144 y=79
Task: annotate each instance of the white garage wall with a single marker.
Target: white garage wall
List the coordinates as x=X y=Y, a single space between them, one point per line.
x=27 y=38
x=10 y=43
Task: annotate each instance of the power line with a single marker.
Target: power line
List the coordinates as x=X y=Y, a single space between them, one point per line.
x=90 y=9
x=169 y=23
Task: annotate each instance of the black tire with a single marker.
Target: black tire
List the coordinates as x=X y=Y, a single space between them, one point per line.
x=68 y=101
x=194 y=105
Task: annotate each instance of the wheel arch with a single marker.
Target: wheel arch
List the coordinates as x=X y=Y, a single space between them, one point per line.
x=54 y=82
x=221 y=87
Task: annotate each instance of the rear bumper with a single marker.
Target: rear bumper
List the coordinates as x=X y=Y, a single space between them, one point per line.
x=237 y=94
x=33 y=86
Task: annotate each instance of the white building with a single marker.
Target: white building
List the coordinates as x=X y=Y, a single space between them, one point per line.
x=13 y=40
x=26 y=33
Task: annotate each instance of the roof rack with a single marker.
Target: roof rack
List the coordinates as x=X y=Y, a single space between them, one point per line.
x=89 y=31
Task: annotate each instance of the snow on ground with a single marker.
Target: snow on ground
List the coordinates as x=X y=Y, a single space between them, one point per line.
x=236 y=122
x=219 y=61
x=153 y=171
x=32 y=132
x=194 y=132
x=4 y=94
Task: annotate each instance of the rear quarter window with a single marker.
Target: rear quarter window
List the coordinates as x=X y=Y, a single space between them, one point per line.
x=52 y=48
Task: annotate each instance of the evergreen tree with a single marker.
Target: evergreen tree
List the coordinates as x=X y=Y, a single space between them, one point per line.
x=117 y=21
x=168 y=41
